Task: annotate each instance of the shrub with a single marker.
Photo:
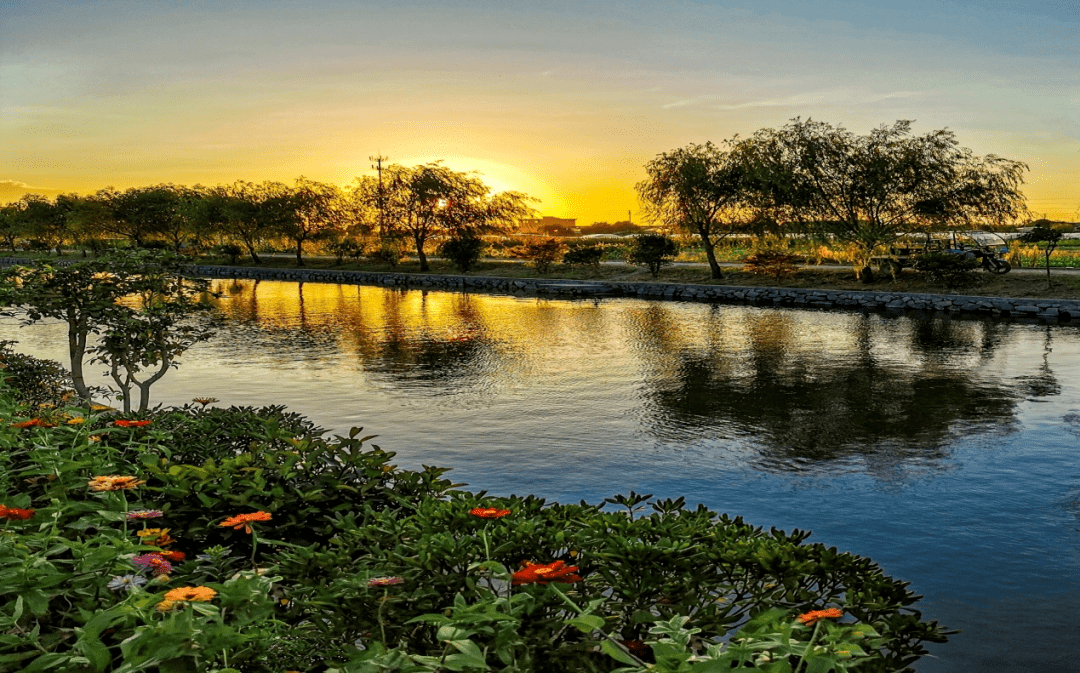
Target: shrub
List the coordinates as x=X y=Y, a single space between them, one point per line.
x=464 y=251
x=231 y=250
x=345 y=248
x=652 y=251
x=387 y=252
x=589 y=254
x=947 y=267
x=34 y=382
x=541 y=253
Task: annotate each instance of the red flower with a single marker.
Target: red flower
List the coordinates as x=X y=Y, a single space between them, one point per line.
x=14 y=513
x=542 y=573
x=131 y=424
x=638 y=648
x=817 y=615
x=33 y=422
x=489 y=512
x=172 y=556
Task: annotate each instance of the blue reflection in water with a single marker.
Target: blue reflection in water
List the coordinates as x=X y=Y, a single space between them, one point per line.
x=945 y=450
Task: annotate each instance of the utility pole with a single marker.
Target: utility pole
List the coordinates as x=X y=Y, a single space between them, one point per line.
x=378 y=159
x=630 y=217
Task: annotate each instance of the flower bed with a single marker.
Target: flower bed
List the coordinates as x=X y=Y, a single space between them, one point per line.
x=240 y=539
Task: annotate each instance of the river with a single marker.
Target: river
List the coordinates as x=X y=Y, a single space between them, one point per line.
x=946 y=450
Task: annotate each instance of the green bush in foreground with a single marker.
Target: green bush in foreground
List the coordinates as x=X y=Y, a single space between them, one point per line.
x=244 y=540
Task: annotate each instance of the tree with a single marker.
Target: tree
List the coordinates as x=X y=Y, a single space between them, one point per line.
x=140 y=212
x=431 y=200
x=312 y=210
x=170 y=315
x=42 y=221
x=699 y=189
x=653 y=251
x=87 y=296
x=1051 y=237
x=869 y=189
x=541 y=253
x=246 y=212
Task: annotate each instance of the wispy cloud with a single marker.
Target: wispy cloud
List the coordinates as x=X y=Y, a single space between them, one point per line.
x=819 y=97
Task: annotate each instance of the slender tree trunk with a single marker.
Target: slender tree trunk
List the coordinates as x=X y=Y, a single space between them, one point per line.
x=299 y=252
x=710 y=254
x=418 y=241
x=76 y=352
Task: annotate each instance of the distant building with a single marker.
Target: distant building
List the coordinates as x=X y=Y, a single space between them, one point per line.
x=552 y=226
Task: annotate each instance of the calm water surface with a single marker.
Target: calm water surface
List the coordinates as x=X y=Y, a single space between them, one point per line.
x=945 y=450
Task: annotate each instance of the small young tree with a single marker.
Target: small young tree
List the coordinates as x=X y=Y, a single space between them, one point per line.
x=589 y=254
x=653 y=251
x=88 y=296
x=1049 y=237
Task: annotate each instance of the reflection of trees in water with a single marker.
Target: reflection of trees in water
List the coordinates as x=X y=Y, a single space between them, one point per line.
x=1042 y=383
x=388 y=330
x=753 y=375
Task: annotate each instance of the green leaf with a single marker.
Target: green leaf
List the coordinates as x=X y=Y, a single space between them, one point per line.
x=587 y=623
x=615 y=652
x=470 y=656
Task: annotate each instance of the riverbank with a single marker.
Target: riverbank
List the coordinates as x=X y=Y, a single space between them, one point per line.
x=1049 y=310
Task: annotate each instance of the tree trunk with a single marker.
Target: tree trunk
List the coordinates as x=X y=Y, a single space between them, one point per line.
x=251 y=251
x=710 y=254
x=76 y=352
x=299 y=252
x=418 y=241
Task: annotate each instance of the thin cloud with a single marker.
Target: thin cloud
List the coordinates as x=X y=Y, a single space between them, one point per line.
x=823 y=97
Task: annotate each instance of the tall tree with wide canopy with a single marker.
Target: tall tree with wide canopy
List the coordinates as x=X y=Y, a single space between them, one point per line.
x=697 y=188
x=312 y=210
x=246 y=212
x=140 y=212
x=869 y=189
x=431 y=200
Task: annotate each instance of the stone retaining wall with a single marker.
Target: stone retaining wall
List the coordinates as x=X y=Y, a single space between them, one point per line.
x=1042 y=310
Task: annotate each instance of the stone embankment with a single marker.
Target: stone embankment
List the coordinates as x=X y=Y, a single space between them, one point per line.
x=1040 y=310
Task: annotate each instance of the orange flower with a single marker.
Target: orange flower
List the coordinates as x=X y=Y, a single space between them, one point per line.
x=489 y=512
x=242 y=520
x=190 y=594
x=33 y=422
x=157 y=537
x=76 y=420
x=172 y=556
x=542 y=573
x=817 y=615
x=14 y=513
x=131 y=424
x=114 y=483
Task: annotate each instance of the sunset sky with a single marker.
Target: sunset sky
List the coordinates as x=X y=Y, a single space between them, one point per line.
x=565 y=101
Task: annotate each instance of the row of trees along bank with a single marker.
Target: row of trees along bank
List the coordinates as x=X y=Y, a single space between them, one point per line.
x=415 y=203
x=807 y=177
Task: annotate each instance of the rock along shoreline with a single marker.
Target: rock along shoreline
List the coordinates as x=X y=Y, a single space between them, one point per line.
x=1052 y=311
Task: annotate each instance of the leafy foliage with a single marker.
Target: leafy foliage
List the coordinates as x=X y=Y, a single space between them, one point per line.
x=463 y=251
x=542 y=253
x=653 y=251
x=948 y=267
x=585 y=255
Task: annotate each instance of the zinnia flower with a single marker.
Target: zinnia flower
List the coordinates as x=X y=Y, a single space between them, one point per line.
x=242 y=520
x=172 y=555
x=76 y=420
x=542 y=573
x=489 y=512
x=190 y=594
x=129 y=582
x=817 y=615
x=157 y=537
x=114 y=483
x=121 y=423
x=384 y=581
x=33 y=422
x=14 y=513
x=158 y=566
x=205 y=400
x=144 y=514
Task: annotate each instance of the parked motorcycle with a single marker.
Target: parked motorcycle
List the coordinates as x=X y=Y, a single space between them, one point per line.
x=988 y=256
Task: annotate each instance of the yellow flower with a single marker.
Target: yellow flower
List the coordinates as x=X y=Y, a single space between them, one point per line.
x=76 y=420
